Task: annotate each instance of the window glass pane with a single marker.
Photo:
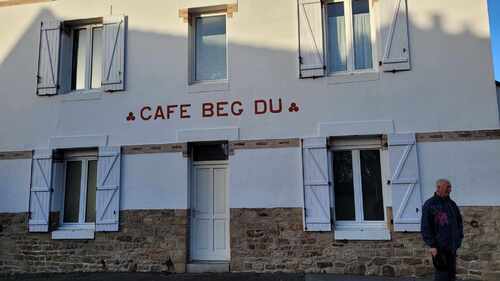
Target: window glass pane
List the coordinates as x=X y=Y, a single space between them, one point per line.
x=210 y=152
x=371 y=179
x=362 y=34
x=211 y=48
x=96 y=57
x=80 y=47
x=343 y=186
x=337 y=52
x=91 y=191
x=72 y=192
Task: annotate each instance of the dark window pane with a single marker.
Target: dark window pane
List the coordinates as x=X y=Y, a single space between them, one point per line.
x=72 y=192
x=91 y=191
x=210 y=152
x=371 y=179
x=343 y=186
x=360 y=7
x=80 y=47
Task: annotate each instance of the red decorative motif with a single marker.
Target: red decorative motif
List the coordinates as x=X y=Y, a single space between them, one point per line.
x=293 y=107
x=130 y=117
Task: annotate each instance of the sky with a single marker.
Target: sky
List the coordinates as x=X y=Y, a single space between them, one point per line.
x=494 y=10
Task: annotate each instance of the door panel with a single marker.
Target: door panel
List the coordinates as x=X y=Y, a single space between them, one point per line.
x=210 y=221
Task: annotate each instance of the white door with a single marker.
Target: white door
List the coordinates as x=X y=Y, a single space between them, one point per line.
x=210 y=213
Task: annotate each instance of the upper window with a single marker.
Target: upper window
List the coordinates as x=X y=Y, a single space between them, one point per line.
x=80 y=55
x=209 y=48
x=86 y=57
x=80 y=191
x=349 y=39
x=358 y=186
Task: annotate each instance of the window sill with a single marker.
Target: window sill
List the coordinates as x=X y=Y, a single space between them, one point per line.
x=361 y=233
x=353 y=77
x=208 y=86
x=74 y=232
x=81 y=95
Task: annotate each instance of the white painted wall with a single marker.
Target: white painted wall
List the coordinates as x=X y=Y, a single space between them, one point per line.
x=472 y=167
x=451 y=60
x=154 y=181
x=14 y=185
x=265 y=178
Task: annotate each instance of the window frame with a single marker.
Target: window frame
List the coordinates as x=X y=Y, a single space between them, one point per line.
x=88 y=62
x=350 y=42
x=361 y=229
x=81 y=224
x=193 y=47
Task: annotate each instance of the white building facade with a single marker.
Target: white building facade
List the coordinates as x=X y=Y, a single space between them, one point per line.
x=263 y=136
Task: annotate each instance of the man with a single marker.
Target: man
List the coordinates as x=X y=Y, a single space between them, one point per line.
x=442 y=231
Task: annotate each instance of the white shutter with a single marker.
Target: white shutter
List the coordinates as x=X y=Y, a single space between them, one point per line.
x=40 y=191
x=317 y=213
x=397 y=47
x=108 y=189
x=312 y=58
x=113 y=73
x=405 y=182
x=48 y=58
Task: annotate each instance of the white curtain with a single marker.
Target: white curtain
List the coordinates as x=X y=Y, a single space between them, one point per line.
x=362 y=41
x=337 y=38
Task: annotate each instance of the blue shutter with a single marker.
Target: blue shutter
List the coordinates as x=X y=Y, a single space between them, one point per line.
x=317 y=213
x=397 y=46
x=312 y=58
x=113 y=73
x=108 y=189
x=40 y=191
x=405 y=182
x=48 y=58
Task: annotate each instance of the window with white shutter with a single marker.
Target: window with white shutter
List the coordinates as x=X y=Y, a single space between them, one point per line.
x=316 y=185
x=405 y=182
x=82 y=56
x=396 y=55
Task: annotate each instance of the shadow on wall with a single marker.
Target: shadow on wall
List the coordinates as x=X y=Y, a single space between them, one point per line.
x=157 y=68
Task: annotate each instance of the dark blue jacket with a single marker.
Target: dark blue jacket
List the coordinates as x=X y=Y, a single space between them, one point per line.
x=442 y=225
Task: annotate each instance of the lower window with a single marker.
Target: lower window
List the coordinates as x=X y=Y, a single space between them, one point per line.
x=359 y=204
x=80 y=192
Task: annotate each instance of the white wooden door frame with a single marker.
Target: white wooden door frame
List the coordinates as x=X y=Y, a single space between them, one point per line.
x=193 y=193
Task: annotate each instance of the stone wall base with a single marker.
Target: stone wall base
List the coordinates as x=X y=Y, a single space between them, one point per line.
x=148 y=240
x=262 y=240
x=272 y=240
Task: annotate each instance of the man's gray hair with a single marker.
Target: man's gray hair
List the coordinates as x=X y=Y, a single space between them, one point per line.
x=441 y=181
